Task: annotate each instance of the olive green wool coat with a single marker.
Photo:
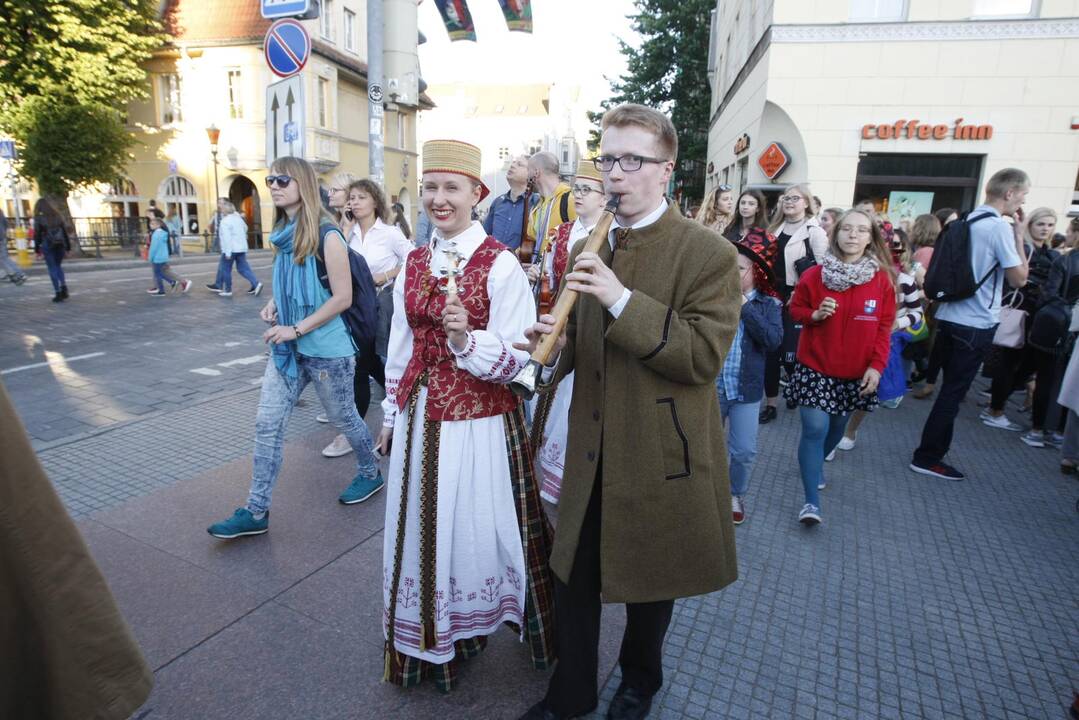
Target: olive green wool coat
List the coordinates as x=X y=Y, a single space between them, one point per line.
x=644 y=400
x=65 y=651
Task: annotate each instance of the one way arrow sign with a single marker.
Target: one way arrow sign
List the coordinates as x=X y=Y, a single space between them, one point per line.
x=285 y=123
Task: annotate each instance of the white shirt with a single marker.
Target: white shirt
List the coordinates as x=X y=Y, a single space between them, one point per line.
x=384 y=247
x=616 y=309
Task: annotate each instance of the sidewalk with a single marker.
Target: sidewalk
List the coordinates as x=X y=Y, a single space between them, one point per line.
x=123 y=260
x=917 y=598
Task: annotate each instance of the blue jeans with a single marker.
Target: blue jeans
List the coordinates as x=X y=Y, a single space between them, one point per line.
x=53 y=257
x=961 y=350
x=821 y=432
x=242 y=267
x=332 y=378
x=162 y=274
x=742 y=423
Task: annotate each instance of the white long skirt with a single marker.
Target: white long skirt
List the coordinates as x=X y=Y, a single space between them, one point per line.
x=479 y=561
x=551 y=459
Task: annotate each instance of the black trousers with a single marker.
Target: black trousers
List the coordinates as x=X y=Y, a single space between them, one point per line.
x=962 y=350
x=573 y=689
x=361 y=381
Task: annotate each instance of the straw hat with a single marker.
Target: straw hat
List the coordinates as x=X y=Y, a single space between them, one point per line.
x=454 y=156
x=587 y=169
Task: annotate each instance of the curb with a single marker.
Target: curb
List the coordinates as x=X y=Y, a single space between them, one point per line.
x=81 y=265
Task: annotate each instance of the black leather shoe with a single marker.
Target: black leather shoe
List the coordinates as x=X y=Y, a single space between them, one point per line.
x=629 y=704
x=768 y=414
x=540 y=711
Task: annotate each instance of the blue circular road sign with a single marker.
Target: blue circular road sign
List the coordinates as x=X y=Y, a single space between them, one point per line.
x=287 y=47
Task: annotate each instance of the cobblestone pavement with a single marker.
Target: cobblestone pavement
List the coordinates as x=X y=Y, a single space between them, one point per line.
x=917 y=598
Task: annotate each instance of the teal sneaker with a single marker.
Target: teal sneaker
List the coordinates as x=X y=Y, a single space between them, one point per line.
x=360 y=489
x=241 y=523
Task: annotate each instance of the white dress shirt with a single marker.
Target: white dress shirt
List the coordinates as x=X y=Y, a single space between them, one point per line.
x=384 y=247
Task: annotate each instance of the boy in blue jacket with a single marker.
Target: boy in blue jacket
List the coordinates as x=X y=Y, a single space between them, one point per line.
x=740 y=384
x=159 y=257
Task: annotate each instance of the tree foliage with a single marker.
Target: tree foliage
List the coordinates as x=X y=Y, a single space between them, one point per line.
x=65 y=143
x=91 y=50
x=67 y=67
x=670 y=72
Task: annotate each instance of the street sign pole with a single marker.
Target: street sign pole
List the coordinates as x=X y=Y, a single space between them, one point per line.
x=375 y=32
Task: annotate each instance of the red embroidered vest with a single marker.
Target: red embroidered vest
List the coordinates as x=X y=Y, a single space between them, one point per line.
x=452 y=393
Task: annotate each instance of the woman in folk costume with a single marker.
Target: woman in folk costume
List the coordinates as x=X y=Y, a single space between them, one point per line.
x=550 y=422
x=466 y=541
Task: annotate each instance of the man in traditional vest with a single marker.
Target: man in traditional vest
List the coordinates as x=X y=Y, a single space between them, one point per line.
x=645 y=509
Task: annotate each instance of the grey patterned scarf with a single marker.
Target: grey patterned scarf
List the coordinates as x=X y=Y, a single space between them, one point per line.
x=839 y=276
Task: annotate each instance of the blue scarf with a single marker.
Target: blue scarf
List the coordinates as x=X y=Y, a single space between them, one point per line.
x=297 y=293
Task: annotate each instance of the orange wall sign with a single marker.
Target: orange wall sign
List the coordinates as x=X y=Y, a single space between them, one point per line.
x=915 y=130
x=774 y=160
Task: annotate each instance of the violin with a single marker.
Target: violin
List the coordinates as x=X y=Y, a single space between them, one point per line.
x=528 y=243
x=545 y=296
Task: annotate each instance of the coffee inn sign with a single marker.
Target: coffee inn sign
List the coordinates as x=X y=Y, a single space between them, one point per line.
x=916 y=130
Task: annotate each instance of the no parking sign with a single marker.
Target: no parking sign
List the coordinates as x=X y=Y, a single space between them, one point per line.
x=287 y=47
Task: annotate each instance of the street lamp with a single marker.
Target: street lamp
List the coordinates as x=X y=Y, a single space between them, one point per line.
x=213 y=133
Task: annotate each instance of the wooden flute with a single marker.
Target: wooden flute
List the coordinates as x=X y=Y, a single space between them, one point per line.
x=525 y=382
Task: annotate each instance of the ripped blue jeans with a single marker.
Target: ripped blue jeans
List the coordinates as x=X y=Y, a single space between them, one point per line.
x=332 y=378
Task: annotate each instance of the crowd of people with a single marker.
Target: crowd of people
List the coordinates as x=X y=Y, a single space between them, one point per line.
x=623 y=479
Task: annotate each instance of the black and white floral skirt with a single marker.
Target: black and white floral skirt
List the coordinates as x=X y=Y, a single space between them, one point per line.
x=835 y=396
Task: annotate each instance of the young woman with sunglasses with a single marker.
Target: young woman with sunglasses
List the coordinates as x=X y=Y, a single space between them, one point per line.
x=717 y=210
x=310 y=343
x=847 y=307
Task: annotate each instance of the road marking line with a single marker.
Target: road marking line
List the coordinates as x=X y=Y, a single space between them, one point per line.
x=206 y=371
x=233 y=344
x=243 y=361
x=61 y=360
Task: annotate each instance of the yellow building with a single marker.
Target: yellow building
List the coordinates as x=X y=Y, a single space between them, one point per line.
x=905 y=102
x=213 y=72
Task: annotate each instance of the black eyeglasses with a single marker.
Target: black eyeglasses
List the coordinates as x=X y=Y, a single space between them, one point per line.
x=628 y=163
x=584 y=190
x=281 y=181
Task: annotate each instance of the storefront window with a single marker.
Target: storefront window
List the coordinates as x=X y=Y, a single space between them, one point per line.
x=902 y=185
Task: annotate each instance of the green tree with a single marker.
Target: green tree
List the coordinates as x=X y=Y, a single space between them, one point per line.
x=670 y=71
x=67 y=67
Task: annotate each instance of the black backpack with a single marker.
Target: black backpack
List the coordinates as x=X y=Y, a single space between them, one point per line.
x=950 y=276
x=361 y=317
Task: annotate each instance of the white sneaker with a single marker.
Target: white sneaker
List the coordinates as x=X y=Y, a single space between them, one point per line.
x=810 y=515
x=1001 y=422
x=338 y=447
x=322 y=418
x=845 y=443
x=830 y=456
x=225 y=293
x=1034 y=438
x=738 y=509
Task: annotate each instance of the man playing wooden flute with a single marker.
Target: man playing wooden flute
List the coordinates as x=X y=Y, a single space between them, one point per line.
x=645 y=509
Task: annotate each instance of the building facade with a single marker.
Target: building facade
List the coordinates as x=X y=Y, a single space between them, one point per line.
x=508 y=120
x=910 y=103
x=213 y=73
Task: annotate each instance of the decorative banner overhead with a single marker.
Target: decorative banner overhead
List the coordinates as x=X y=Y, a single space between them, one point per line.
x=457 y=19
x=518 y=14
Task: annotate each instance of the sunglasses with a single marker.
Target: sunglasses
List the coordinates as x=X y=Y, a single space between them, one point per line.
x=280 y=181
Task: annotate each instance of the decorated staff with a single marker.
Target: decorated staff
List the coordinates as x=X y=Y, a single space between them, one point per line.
x=466 y=542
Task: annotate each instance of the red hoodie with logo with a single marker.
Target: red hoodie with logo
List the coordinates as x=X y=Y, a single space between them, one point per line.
x=856 y=337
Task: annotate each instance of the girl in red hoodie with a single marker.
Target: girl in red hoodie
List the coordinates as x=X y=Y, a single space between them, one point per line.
x=846 y=306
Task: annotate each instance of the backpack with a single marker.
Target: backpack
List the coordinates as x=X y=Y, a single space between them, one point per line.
x=950 y=276
x=361 y=317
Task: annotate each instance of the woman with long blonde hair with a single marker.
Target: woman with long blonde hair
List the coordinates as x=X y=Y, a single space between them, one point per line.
x=310 y=343
x=717 y=210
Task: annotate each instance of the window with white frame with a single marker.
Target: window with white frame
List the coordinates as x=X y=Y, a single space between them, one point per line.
x=878 y=10
x=325 y=19
x=350 y=30
x=323 y=102
x=235 y=90
x=169 y=92
x=1004 y=8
